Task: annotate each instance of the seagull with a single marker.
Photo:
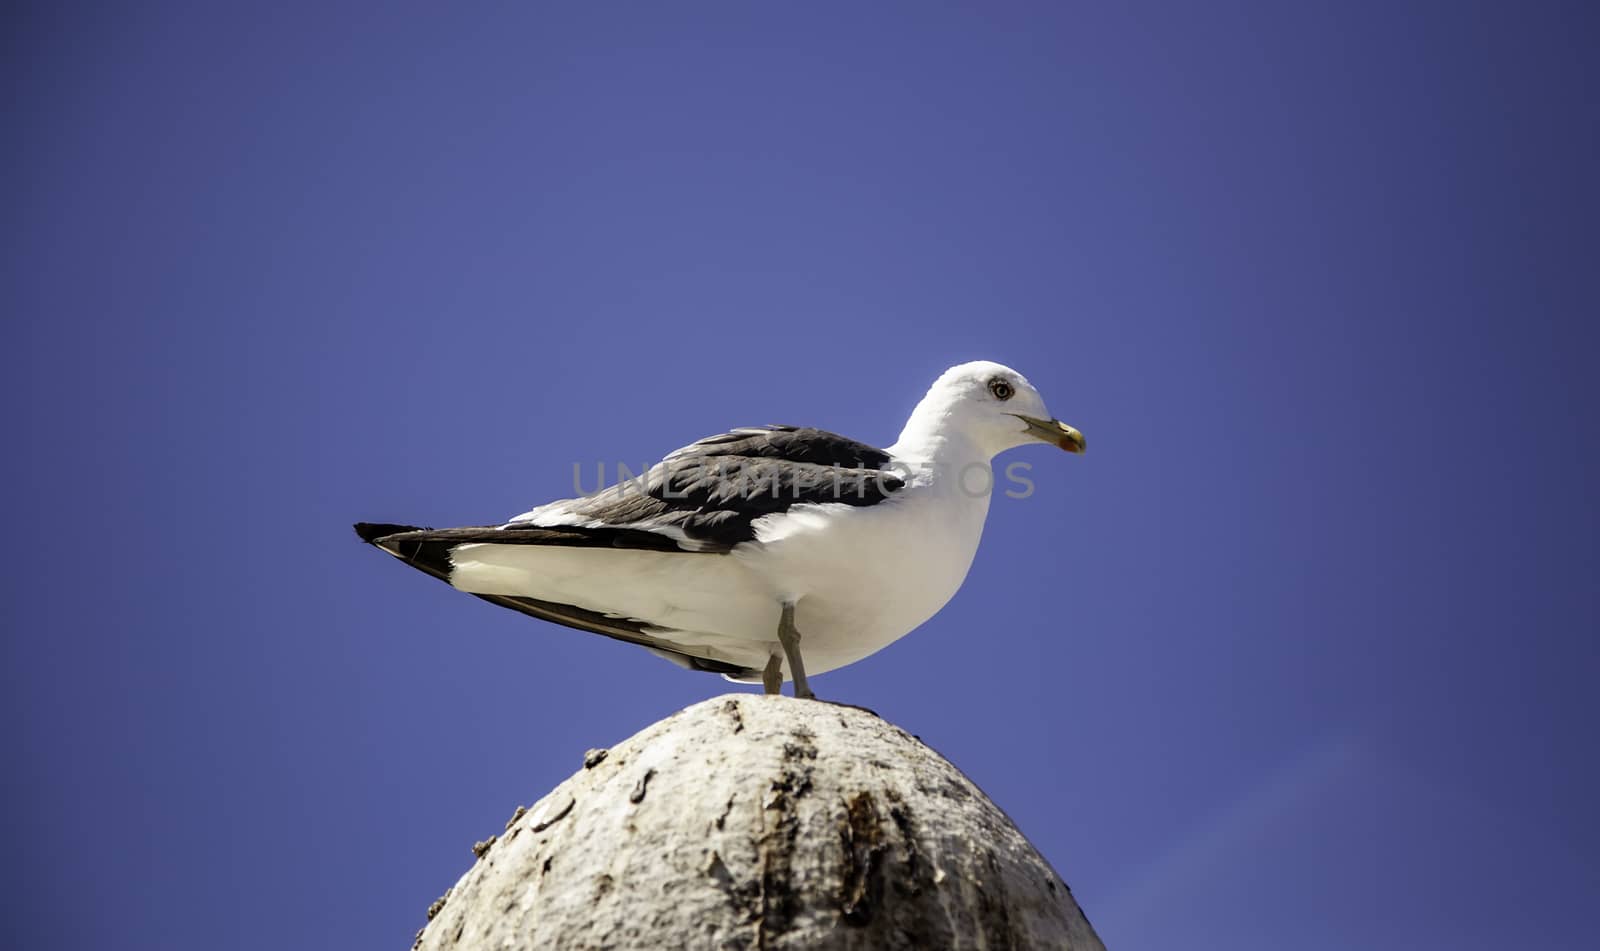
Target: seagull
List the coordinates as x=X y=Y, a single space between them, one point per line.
x=731 y=551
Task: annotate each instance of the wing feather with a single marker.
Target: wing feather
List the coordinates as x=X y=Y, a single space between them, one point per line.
x=706 y=496
x=701 y=500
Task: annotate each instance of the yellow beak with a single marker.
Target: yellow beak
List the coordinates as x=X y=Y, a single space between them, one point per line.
x=1054 y=432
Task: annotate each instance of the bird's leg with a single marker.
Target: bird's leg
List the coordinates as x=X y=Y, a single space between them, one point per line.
x=772 y=677
x=789 y=637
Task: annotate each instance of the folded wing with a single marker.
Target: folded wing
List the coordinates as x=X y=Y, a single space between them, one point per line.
x=644 y=561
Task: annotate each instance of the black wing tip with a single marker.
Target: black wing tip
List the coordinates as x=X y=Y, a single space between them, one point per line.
x=371 y=532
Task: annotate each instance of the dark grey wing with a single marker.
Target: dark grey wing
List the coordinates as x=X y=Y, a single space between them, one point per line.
x=707 y=496
x=698 y=502
x=800 y=444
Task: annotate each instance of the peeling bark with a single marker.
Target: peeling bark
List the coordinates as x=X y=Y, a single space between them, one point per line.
x=761 y=822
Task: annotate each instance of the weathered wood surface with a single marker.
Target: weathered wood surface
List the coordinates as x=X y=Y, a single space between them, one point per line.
x=758 y=822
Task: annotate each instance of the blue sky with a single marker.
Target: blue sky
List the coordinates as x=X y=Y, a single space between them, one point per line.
x=1302 y=652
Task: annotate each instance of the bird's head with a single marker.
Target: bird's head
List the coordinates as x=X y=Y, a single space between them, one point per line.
x=992 y=406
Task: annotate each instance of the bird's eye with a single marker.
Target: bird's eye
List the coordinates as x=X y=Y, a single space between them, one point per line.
x=1000 y=388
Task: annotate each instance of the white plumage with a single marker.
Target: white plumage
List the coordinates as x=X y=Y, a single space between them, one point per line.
x=858 y=573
